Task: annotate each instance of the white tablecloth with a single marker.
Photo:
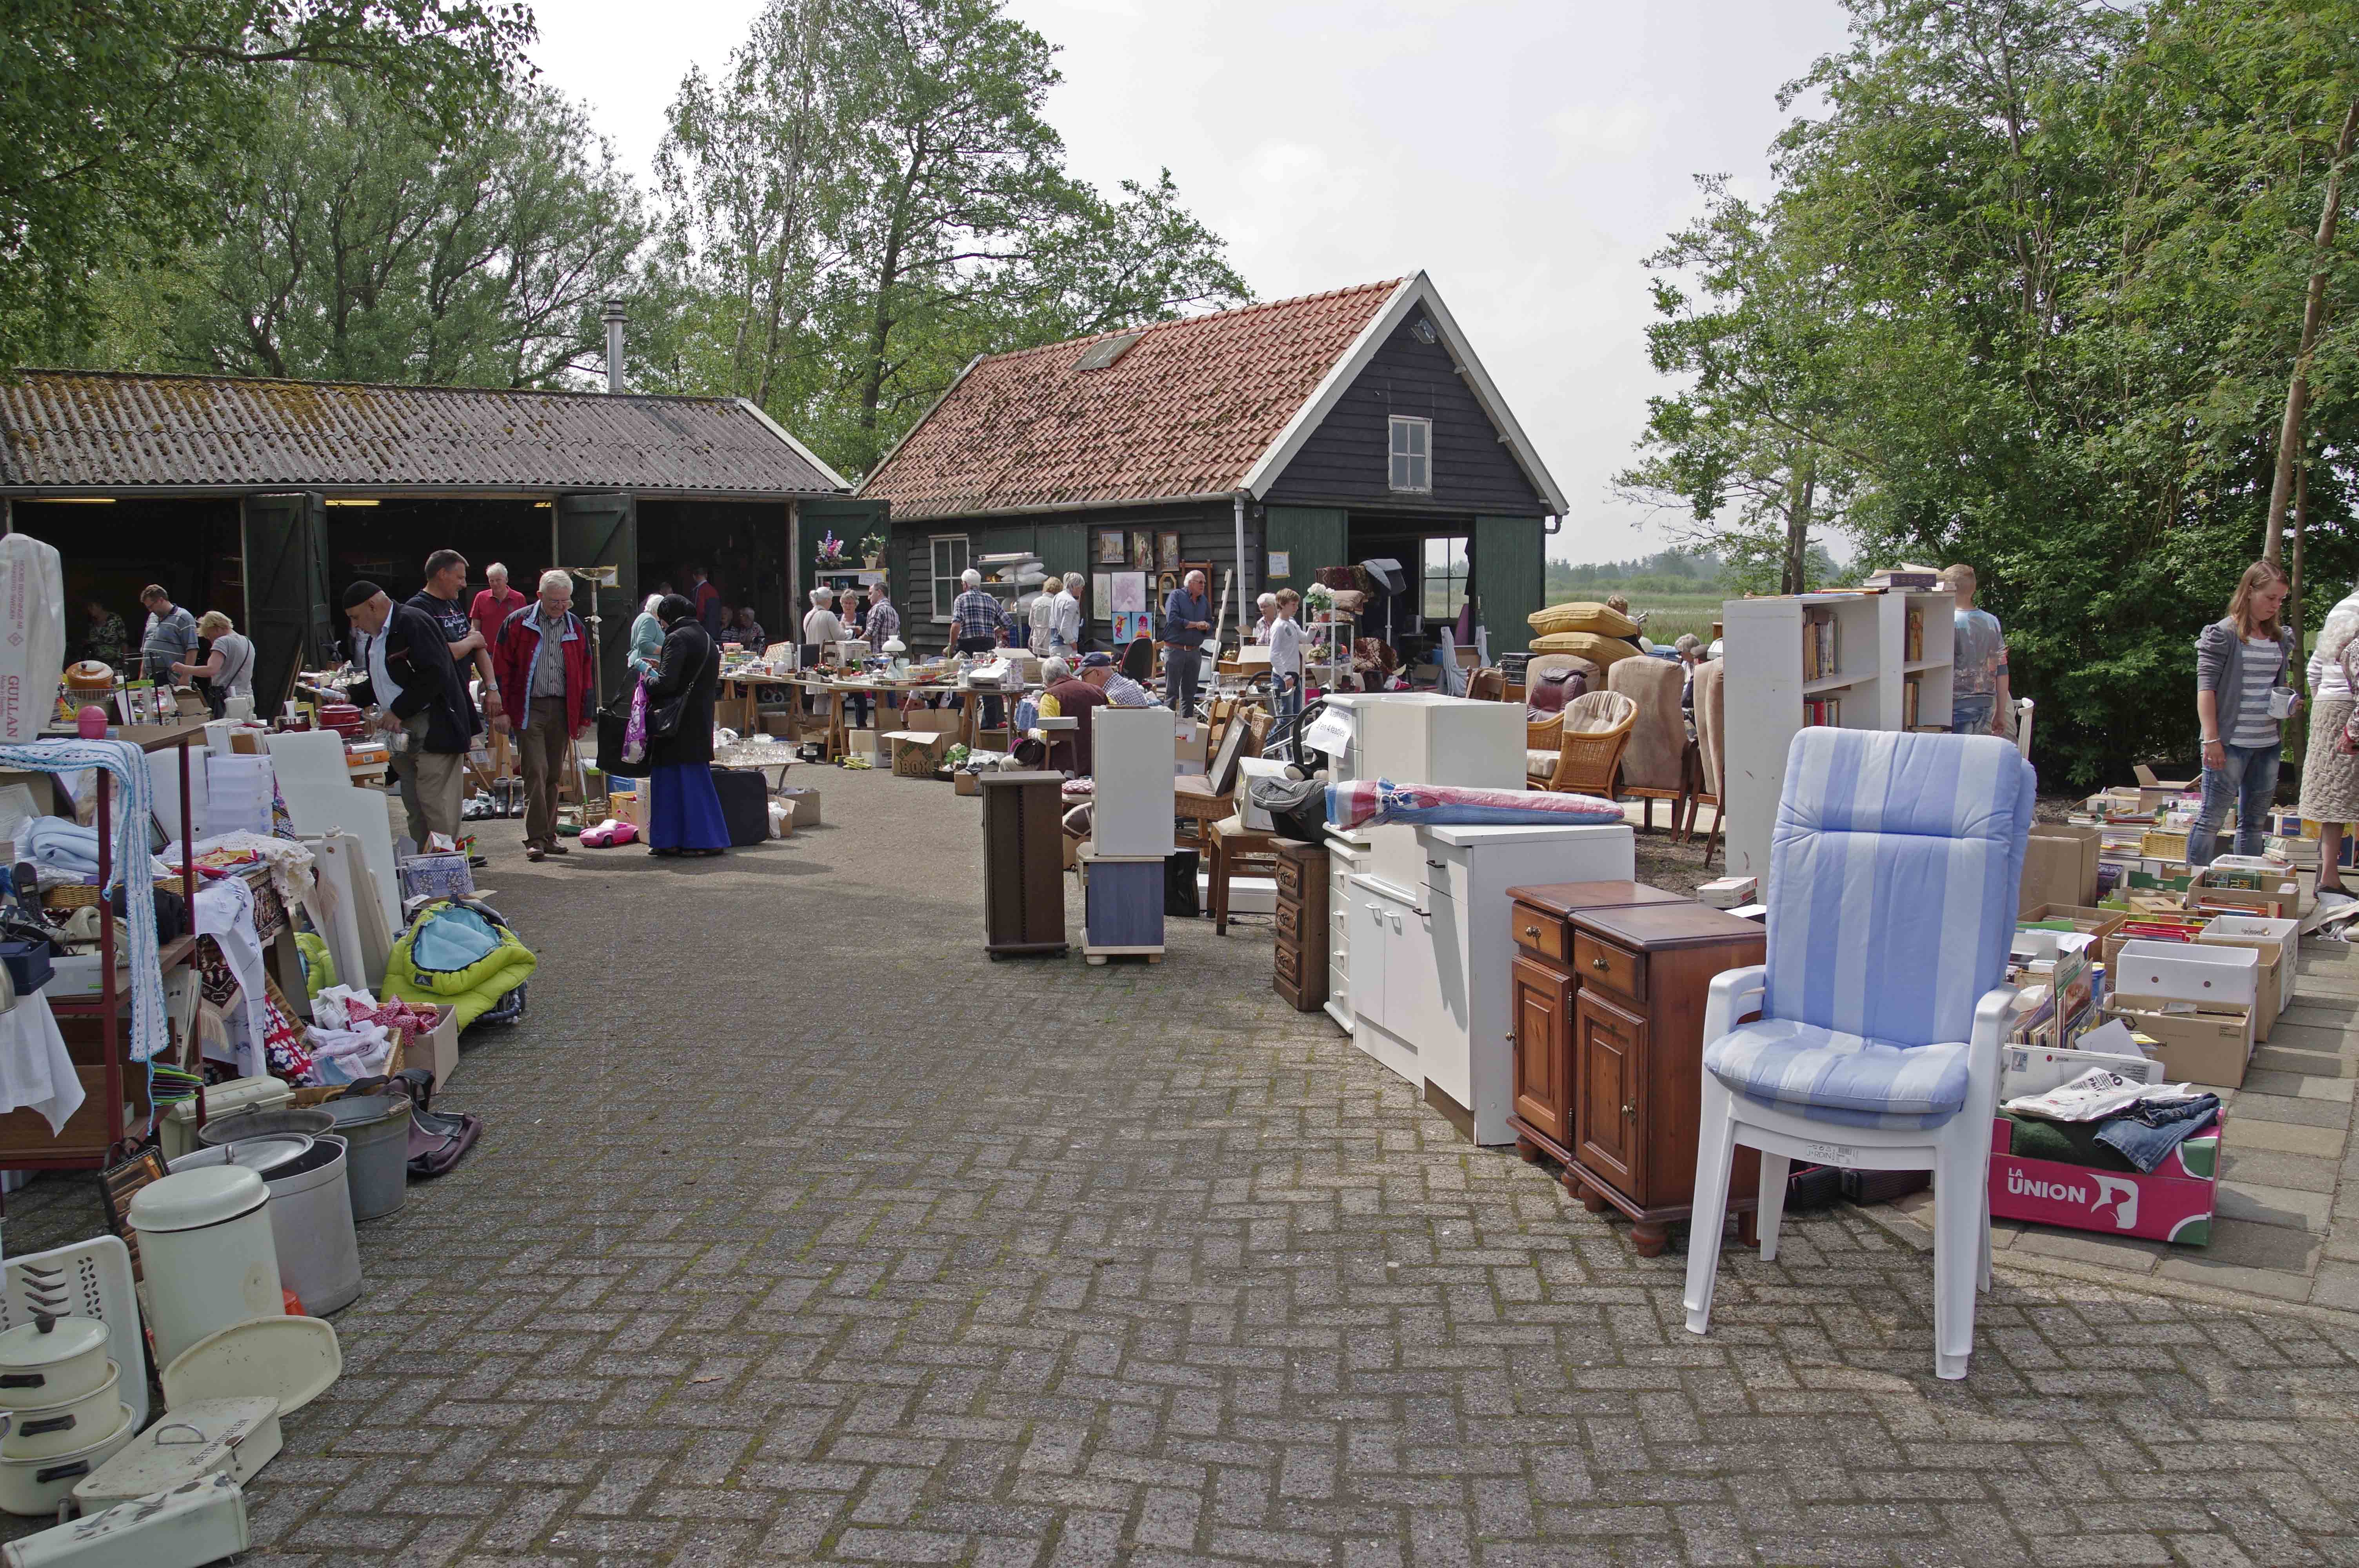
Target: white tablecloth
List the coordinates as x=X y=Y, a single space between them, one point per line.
x=36 y=1072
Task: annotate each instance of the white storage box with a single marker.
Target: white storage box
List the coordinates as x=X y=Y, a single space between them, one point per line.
x=2258 y=930
x=2187 y=972
x=79 y=974
x=1250 y=816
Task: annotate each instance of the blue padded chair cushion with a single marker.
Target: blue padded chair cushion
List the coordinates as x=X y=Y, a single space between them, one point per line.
x=1824 y=1075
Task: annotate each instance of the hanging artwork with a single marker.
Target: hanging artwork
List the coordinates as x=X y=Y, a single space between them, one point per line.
x=1101 y=591
x=1132 y=625
x=1110 y=547
x=1142 y=551
x=1166 y=551
x=1129 y=591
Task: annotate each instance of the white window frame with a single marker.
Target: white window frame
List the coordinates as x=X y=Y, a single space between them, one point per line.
x=1428 y=574
x=1409 y=442
x=935 y=595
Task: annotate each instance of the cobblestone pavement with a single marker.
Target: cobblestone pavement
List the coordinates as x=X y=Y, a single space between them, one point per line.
x=801 y=1232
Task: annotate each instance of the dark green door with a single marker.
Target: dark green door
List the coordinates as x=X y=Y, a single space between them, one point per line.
x=1509 y=577
x=286 y=605
x=1303 y=539
x=850 y=521
x=1063 y=547
x=597 y=530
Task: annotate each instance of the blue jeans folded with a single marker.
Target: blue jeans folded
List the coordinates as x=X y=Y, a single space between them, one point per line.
x=2146 y=1135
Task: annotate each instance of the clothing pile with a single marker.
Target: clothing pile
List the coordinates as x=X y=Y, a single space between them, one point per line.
x=2109 y=1122
x=353 y=1036
x=64 y=852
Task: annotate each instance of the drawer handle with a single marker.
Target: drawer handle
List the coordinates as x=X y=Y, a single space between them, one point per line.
x=1533 y=932
x=1435 y=864
x=1600 y=962
x=1628 y=1110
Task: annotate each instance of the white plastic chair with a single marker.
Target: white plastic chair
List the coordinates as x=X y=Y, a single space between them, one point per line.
x=1893 y=876
x=2023 y=706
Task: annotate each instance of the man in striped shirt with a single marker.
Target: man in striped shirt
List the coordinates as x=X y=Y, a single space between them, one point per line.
x=975 y=617
x=1121 y=691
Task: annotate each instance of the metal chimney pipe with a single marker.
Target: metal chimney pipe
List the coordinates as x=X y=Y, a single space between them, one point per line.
x=615 y=318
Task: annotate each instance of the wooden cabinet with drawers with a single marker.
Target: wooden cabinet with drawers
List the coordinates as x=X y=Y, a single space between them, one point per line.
x=1607 y=999
x=1302 y=887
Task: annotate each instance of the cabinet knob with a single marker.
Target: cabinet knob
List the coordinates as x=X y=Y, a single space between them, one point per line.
x=1533 y=932
x=1599 y=962
x=1628 y=1110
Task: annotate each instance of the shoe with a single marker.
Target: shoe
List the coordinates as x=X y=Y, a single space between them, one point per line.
x=557 y=846
x=532 y=852
x=2340 y=895
x=476 y=862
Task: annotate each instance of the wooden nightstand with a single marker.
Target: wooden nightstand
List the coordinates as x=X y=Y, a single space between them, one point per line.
x=1301 y=970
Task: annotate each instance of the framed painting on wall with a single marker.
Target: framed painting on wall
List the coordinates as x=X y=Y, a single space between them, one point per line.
x=1110 y=547
x=1142 y=551
x=1167 y=552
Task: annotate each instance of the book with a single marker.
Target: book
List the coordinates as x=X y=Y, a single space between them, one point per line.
x=1908 y=579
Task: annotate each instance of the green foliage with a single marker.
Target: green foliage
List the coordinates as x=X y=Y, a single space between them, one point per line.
x=868 y=198
x=121 y=125
x=377 y=244
x=2034 y=278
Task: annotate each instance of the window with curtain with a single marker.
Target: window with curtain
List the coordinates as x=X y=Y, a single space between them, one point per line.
x=949 y=564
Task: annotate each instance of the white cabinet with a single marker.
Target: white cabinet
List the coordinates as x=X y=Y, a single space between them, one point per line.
x=1133 y=759
x=1344 y=852
x=1416 y=737
x=1429 y=960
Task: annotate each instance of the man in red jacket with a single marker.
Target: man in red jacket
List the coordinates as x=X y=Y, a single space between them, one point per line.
x=542 y=660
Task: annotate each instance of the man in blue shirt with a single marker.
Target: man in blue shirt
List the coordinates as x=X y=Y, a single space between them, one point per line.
x=1978 y=686
x=1187 y=618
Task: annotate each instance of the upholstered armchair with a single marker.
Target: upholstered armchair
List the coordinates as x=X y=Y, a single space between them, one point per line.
x=1590 y=736
x=1893 y=878
x=1712 y=750
x=1654 y=765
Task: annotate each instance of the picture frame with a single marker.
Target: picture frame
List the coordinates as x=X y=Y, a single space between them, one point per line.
x=1110 y=547
x=1164 y=582
x=1166 y=551
x=1221 y=776
x=1142 y=551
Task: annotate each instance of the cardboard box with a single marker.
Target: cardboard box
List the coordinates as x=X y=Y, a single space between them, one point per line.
x=2209 y=1045
x=2060 y=866
x=805 y=801
x=965 y=783
x=2255 y=931
x=2099 y=924
x=2205 y=973
x=2171 y=1203
x=438 y=1050
x=2281 y=902
x=2154 y=793
x=629 y=808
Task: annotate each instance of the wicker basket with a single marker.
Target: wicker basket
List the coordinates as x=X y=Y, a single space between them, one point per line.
x=2158 y=843
x=70 y=896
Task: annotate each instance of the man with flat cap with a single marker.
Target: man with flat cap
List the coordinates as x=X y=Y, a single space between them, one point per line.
x=420 y=694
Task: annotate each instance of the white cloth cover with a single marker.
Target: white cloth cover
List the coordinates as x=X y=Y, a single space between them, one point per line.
x=32 y=636
x=225 y=914
x=36 y=1072
x=133 y=806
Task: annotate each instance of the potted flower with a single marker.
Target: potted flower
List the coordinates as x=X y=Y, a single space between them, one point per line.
x=830 y=550
x=872 y=551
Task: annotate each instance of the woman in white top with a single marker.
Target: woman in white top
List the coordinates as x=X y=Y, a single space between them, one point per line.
x=2330 y=775
x=1042 y=616
x=228 y=670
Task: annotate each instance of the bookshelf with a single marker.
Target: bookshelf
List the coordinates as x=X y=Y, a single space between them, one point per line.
x=1859 y=661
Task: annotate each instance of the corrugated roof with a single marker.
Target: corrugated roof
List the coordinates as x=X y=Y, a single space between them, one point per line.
x=1188 y=410
x=120 y=430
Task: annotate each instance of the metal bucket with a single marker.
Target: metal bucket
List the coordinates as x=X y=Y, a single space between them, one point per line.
x=376 y=1129
x=310 y=1221
x=237 y=1124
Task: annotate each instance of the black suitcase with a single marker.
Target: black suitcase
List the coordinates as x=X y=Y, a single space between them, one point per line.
x=744 y=803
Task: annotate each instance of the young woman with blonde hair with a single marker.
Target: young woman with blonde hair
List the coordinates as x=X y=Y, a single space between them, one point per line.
x=2242 y=699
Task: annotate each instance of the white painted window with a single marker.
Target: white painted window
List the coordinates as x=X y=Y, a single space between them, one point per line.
x=949 y=566
x=1412 y=454
x=1445 y=578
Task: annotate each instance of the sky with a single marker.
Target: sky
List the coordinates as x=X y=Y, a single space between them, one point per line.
x=1528 y=155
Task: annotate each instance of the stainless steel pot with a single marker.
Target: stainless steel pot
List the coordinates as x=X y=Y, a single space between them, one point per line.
x=51 y=1361
x=48 y=1430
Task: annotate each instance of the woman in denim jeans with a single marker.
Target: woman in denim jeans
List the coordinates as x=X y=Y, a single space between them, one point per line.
x=2243 y=700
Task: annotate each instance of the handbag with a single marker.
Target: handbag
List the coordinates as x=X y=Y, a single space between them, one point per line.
x=613 y=728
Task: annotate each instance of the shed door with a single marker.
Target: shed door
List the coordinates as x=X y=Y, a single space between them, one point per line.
x=1063 y=547
x=604 y=530
x=1309 y=537
x=850 y=521
x=1509 y=577
x=287 y=606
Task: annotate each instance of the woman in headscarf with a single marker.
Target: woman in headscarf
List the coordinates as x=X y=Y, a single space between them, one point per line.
x=647 y=636
x=684 y=809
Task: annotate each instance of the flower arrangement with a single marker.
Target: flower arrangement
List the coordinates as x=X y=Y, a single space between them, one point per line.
x=873 y=546
x=830 y=550
x=1320 y=597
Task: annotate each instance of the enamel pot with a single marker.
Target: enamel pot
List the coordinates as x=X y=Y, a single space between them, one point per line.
x=51 y=1361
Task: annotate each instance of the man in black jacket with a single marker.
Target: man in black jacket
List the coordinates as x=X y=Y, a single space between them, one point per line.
x=421 y=693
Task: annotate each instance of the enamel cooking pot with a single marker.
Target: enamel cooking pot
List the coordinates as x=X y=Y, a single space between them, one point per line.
x=51 y=1429
x=51 y=1361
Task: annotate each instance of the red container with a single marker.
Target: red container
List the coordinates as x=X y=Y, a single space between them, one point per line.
x=342 y=718
x=2171 y=1203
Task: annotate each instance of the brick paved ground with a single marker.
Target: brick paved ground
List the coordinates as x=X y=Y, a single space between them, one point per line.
x=803 y=1233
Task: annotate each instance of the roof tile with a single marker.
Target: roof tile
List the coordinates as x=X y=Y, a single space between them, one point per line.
x=1188 y=410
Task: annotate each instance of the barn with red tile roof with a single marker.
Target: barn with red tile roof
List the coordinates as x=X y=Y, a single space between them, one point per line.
x=1262 y=443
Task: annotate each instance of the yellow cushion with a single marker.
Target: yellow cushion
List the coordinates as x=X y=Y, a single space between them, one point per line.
x=1601 y=651
x=1582 y=615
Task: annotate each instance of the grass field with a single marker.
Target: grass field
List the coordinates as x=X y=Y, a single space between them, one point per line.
x=1668 y=615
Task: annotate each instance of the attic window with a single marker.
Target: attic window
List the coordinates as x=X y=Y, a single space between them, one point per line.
x=1103 y=353
x=1412 y=455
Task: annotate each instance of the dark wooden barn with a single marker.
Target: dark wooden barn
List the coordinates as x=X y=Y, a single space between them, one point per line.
x=1272 y=441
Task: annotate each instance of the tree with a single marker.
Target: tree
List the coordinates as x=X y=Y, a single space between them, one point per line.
x=371 y=243
x=1751 y=448
x=868 y=198
x=120 y=124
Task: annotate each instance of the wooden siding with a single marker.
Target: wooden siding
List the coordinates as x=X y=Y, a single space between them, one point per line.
x=1206 y=534
x=1345 y=462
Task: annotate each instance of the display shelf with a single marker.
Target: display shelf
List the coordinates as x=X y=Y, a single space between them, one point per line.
x=1769 y=697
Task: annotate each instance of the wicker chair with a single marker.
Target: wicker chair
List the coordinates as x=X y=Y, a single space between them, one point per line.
x=1488 y=684
x=1590 y=736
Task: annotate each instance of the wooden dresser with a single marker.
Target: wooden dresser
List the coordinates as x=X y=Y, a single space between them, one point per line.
x=1301 y=976
x=1607 y=994
x=1023 y=864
